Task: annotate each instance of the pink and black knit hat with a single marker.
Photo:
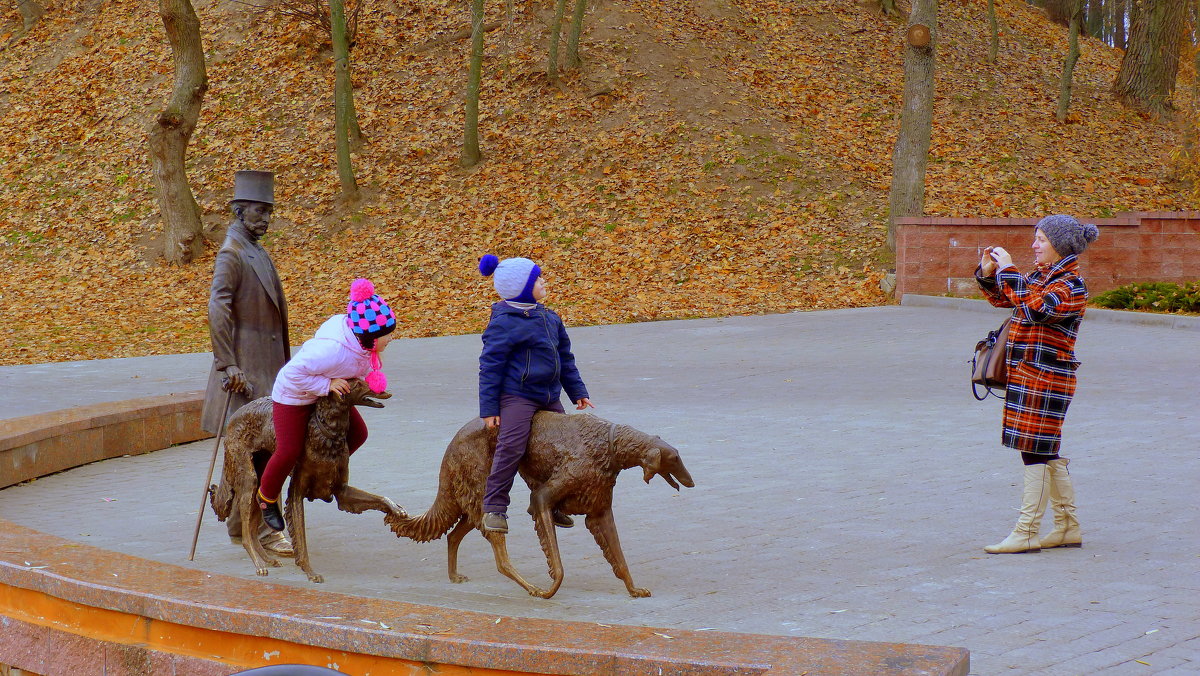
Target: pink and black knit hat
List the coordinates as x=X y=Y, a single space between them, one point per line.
x=368 y=315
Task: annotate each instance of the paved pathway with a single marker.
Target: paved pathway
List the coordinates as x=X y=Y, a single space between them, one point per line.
x=846 y=483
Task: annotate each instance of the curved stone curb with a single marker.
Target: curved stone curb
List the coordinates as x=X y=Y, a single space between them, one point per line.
x=48 y=584
x=37 y=445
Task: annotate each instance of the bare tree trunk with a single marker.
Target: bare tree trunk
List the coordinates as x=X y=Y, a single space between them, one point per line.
x=172 y=129
x=1119 y=23
x=470 y=152
x=31 y=12
x=560 y=7
x=911 y=155
x=994 y=29
x=1146 y=79
x=343 y=98
x=1068 y=73
x=573 y=60
x=506 y=36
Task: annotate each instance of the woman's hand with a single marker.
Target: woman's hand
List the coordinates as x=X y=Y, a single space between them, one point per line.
x=987 y=265
x=583 y=403
x=492 y=421
x=1003 y=258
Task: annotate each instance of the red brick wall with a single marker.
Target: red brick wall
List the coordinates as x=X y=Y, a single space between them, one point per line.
x=937 y=256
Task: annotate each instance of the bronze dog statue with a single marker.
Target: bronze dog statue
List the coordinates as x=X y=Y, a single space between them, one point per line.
x=321 y=473
x=572 y=464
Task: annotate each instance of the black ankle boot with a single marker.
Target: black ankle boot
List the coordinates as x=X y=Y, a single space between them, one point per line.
x=271 y=515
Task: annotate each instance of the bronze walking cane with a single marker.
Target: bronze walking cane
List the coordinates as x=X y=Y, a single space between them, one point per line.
x=211 y=464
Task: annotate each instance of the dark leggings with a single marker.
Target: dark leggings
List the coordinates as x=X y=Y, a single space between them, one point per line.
x=516 y=422
x=1037 y=458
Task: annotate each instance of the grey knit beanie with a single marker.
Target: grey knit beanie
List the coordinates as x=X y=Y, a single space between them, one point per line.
x=1067 y=235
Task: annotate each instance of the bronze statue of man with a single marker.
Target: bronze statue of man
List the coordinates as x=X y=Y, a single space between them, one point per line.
x=247 y=320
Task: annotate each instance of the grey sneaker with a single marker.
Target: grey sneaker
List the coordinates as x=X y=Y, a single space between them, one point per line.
x=495 y=522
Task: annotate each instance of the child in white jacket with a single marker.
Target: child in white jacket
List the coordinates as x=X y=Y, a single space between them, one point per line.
x=345 y=347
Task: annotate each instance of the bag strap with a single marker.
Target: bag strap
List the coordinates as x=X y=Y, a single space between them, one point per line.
x=987 y=391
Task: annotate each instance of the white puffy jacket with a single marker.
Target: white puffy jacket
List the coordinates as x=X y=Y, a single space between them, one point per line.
x=332 y=352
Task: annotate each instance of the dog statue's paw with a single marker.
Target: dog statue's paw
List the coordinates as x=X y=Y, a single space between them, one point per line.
x=316 y=578
x=395 y=509
x=458 y=579
x=260 y=571
x=639 y=593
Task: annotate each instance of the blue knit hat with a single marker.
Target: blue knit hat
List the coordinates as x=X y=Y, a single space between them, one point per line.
x=513 y=277
x=1067 y=235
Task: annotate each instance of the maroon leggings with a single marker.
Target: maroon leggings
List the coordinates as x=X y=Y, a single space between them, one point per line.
x=291 y=424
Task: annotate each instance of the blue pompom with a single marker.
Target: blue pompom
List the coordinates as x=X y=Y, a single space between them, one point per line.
x=487 y=265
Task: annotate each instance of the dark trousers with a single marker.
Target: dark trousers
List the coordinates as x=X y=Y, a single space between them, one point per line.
x=291 y=426
x=516 y=419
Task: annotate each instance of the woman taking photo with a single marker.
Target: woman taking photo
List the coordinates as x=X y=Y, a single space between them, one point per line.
x=1048 y=305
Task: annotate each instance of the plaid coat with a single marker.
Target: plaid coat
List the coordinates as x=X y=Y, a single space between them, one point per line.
x=1048 y=305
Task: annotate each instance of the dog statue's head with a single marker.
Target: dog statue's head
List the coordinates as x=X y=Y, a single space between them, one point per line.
x=361 y=395
x=664 y=461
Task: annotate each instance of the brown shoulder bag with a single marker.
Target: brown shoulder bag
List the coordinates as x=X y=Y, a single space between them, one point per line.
x=988 y=367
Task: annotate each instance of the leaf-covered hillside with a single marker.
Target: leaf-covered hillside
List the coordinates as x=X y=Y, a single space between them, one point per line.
x=713 y=157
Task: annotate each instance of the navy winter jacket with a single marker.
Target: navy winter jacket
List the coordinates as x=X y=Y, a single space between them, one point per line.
x=526 y=353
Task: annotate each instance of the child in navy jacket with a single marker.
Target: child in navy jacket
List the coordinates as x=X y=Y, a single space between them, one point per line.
x=525 y=365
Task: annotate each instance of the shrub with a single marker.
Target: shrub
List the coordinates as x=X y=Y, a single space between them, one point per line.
x=1152 y=297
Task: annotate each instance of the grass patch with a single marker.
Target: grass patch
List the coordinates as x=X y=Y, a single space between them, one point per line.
x=1153 y=297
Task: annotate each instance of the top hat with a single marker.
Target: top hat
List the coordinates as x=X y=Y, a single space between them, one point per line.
x=254 y=186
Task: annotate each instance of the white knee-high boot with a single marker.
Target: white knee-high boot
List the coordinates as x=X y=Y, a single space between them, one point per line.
x=1024 y=537
x=1066 y=531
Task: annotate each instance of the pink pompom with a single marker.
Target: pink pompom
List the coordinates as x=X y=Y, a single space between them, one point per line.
x=377 y=381
x=361 y=289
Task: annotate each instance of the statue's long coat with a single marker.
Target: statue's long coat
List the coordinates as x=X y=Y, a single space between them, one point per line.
x=248 y=325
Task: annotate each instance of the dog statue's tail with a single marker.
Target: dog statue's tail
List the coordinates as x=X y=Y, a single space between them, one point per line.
x=431 y=525
x=460 y=486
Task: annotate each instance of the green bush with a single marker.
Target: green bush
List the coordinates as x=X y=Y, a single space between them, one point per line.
x=1152 y=297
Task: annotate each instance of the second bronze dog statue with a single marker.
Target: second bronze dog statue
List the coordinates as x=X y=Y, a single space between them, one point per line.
x=572 y=464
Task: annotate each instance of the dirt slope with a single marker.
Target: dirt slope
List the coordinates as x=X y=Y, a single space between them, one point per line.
x=713 y=157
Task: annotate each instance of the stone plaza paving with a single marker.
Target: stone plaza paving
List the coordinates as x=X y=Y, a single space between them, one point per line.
x=846 y=482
